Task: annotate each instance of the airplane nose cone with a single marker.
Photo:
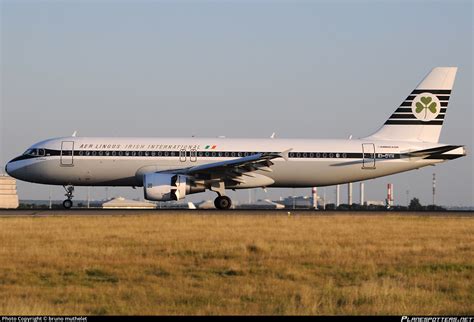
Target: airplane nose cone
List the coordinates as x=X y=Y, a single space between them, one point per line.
x=12 y=169
x=18 y=170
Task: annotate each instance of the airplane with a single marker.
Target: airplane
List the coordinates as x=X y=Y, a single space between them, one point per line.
x=171 y=168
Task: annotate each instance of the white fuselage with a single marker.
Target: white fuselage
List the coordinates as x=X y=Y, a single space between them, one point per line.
x=88 y=161
x=171 y=168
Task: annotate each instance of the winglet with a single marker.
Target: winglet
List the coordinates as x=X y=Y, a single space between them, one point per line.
x=74 y=134
x=285 y=154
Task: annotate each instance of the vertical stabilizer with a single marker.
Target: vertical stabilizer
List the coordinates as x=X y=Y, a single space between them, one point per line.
x=420 y=117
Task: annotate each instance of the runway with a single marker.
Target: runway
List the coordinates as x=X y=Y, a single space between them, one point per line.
x=215 y=212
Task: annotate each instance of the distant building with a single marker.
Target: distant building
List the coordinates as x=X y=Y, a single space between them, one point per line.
x=374 y=203
x=8 y=194
x=122 y=203
x=302 y=202
x=207 y=204
x=297 y=202
x=262 y=204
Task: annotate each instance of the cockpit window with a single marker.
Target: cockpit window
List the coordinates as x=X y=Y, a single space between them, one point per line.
x=35 y=152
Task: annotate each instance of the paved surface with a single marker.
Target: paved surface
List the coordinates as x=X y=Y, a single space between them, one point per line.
x=135 y=212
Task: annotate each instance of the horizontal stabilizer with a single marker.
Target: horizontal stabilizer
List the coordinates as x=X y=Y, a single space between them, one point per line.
x=443 y=152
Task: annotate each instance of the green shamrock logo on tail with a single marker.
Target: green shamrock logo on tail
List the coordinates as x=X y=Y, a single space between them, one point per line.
x=424 y=104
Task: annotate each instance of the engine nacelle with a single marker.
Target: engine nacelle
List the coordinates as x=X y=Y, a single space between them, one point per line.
x=165 y=186
x=169 y=186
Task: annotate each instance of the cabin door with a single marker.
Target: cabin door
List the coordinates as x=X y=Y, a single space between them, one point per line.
x=182 y=155
x=368 y=156
x=67 y=153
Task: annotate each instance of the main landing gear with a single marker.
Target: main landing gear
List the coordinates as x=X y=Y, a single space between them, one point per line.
x=222 y=201
x=68 y=202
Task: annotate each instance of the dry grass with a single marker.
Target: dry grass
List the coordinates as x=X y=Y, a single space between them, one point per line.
x=207 y=264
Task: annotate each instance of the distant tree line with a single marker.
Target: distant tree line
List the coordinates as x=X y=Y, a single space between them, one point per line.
x=53 y=205
x=414 y=205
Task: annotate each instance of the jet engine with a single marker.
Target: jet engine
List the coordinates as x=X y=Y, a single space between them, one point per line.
x=168 y=186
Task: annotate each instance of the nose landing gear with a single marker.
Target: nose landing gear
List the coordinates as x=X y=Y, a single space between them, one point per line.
x=68 y=202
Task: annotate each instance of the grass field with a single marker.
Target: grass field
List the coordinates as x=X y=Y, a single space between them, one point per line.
x=239 y=264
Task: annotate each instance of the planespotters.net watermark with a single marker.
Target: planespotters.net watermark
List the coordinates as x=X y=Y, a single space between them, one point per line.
x=45 y=319
x=437 y=319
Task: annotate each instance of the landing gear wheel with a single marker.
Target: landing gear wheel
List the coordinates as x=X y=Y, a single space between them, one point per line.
x=67 y=203
x=69 y=191
x=223 y=202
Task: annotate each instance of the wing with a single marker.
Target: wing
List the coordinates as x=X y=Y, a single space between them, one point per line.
x=235 y=168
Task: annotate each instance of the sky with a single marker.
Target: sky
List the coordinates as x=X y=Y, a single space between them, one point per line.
x=302 y=69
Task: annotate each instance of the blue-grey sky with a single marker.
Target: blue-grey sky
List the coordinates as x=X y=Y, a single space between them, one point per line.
x=240 y=69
